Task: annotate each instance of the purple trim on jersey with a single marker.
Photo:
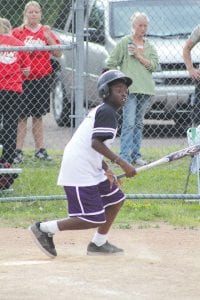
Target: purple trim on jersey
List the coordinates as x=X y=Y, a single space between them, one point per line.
x=103 y=132
x=89 y=203
x=105 y=124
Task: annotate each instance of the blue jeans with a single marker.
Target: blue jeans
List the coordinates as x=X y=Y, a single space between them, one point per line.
x=132 y=126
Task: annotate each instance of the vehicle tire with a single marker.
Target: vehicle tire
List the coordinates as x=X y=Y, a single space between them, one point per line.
x=60 y=103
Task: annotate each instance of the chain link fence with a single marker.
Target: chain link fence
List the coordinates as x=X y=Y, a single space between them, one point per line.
x=88 y=31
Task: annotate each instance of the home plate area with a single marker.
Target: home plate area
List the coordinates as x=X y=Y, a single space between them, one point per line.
x=160 y=263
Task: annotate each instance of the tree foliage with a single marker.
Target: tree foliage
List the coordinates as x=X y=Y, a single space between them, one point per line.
x=13 y=10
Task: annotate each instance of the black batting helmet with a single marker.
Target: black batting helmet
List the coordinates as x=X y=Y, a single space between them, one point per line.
x=108 y=77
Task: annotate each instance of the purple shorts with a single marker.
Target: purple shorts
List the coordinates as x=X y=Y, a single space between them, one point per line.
x=89 y=202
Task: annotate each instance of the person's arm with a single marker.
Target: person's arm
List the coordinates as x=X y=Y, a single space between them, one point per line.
x=104 y=165
x=51 y=41
x=25 y=63
x=193 y=72
x=100 y=147
x=193 y=40
x=143 y=60
x=116 y=57
x=151 y=62
x=154 y=59
x=26 y=71
x=110 y=174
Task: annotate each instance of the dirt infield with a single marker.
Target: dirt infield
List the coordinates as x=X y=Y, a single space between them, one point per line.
x=160 y=263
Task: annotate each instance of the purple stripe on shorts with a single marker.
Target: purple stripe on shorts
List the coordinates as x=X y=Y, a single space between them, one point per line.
x=85 y=203
x=94 y=218
x=110 y=196
x=88 y=203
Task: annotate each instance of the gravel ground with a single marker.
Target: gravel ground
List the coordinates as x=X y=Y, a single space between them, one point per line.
x=160 y=263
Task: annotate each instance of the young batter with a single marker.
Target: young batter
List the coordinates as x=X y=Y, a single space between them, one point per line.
x=93 y=195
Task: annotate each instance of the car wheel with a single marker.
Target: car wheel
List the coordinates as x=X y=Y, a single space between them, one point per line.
x=60 y=103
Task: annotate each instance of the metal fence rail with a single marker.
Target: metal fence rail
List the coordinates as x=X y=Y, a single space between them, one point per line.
x=183 y=197
x=68 y=46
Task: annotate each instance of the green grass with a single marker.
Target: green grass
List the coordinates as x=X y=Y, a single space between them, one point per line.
x=39 y=178
x=175 y=213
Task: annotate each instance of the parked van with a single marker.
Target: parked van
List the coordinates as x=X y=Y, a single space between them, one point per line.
x=108 y=21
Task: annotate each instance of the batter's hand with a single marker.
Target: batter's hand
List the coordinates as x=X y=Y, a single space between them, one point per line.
x=129 y=170
x=112 y=178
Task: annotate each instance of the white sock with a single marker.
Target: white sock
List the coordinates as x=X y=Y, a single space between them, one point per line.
x=99 y=239
x=49 y=226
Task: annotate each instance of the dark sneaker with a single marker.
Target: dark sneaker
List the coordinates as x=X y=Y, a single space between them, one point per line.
x=43 y=240
x=105 y=249
x=19 y=156
x=42 y=154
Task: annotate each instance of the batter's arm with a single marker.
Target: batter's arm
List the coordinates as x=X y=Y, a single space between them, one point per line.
x=99 y=146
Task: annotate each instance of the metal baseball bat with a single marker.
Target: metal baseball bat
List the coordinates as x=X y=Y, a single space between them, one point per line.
x=189 y=151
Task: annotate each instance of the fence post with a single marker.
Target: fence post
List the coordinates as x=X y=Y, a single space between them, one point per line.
x=79 y=63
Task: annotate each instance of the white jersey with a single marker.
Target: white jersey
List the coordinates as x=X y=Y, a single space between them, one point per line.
x=81 y=164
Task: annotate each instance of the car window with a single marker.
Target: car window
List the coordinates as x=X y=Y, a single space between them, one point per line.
x=166 y=17
x=96 y=19
x=63 y=11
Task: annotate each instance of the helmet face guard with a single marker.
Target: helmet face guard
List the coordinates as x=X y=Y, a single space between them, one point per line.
x=108 y=77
